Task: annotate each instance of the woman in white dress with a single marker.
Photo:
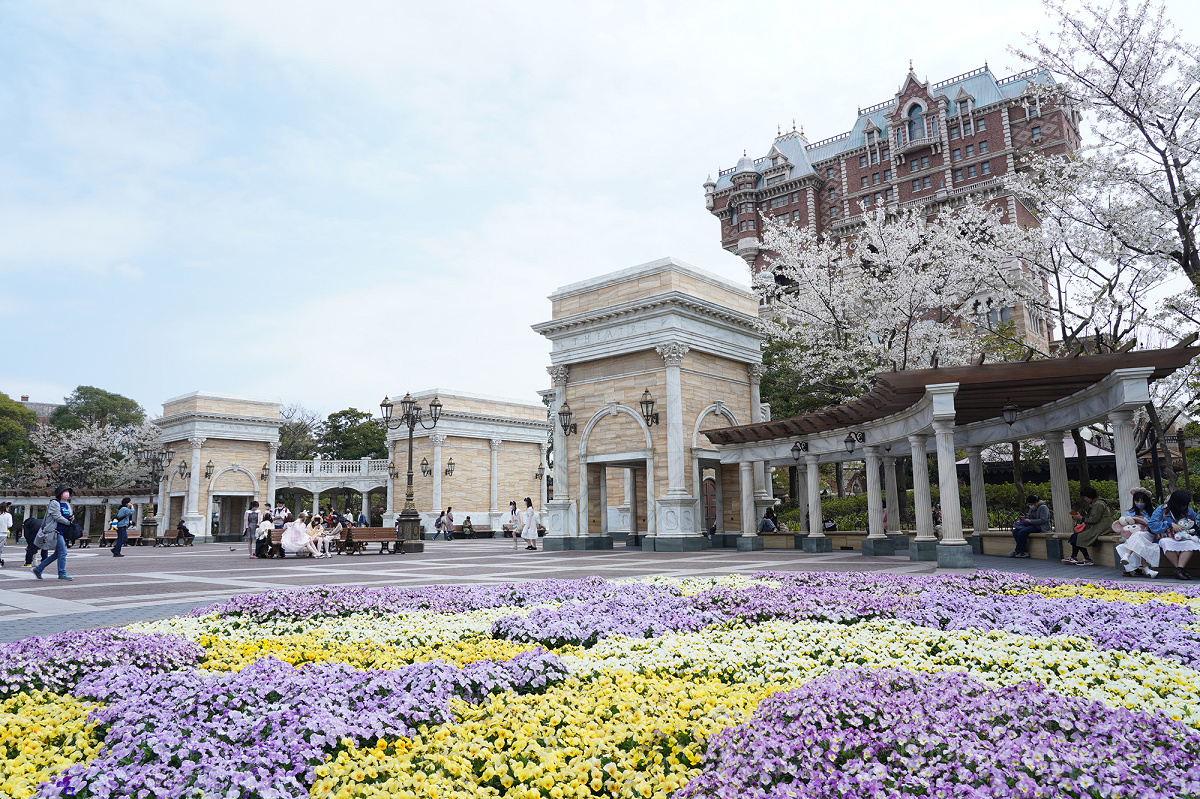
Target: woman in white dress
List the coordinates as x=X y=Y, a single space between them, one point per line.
x=296 y=538
x=529 y=531
x=513 y=522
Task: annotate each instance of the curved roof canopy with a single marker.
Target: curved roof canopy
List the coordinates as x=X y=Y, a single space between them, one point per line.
x=982 y=392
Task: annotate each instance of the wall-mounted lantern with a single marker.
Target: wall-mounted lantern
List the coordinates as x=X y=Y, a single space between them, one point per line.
x=647 y=403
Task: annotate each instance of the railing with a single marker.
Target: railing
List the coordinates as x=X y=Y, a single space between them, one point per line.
x=830 y=140
x=906 y=144
x=877 y=107
x=941 y=83
x=725 y=172
x=1019 y=76
x=322 y=466
x=983 y=184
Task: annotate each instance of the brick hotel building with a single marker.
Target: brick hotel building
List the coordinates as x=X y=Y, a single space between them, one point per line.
x=930 y=146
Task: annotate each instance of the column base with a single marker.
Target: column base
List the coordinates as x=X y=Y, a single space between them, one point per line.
x=562 y=523
x=955 y=556
x=201 y=528
x=899 y=541
x=976 y=542
x=578 y=544
x=676 y=516
x=634 y=540
x=725 y=540
x=749 y=543
x=676 y=543
x=878 y=547
x=813 y=545
x=922 y=550
x=413 y=546
x=389 y=519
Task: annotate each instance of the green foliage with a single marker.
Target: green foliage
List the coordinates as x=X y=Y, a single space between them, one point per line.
x=352 y=434
x=791 y=393
x=1002 y=497
x=99 y=407
x=15 y=423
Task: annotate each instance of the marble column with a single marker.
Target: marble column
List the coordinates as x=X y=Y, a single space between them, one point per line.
x=562 y=519
x=762 y=488
x=876 y=542
x=801 y=494
x=494 y=490
x=816 y=540
x=678 y=528
x=316 y=500
x=199 y=525
x=87 y=519
x=746 y=496
x=1126 y=455
x=544 y=450
x=107 y=518
x=979 y=508
x=437 y=439
x=365 y=508
x=892 y=494
x=924 y=546
x=389 y=508
x=952 y=534
x=272 y=451
x=1060 y=489
x=603 y=500
x=137 y=519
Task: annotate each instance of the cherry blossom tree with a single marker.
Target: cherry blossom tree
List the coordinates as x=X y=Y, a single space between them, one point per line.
x=1136 y=178
x=91 y=455
x=898 y=294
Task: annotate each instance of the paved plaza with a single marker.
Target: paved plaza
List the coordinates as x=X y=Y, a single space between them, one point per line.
x=152 y=583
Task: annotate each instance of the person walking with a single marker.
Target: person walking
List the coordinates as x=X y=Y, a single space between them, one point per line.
x=448 y=523
x=1096 y=523
x=529 y=530
x=6 y=522
x=439 y=525
x=1037 y=520
x=250 y=520
x=125 y=516
x=58 y=521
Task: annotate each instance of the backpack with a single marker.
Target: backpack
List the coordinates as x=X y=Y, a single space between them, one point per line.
x=438 y=523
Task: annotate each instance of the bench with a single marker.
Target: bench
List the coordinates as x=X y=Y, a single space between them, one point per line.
x=357 y=539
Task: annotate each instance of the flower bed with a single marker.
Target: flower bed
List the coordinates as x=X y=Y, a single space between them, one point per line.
x=814 y=685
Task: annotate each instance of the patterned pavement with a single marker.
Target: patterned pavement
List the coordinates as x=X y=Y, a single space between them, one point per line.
x=153 y=583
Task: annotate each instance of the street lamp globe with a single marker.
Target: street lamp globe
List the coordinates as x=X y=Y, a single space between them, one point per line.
x=385 y=410
x=407 y=404
x=850 y=442
x=435 y=410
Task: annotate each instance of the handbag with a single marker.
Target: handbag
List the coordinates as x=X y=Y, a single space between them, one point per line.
x=1079 y=528
x=73 y=532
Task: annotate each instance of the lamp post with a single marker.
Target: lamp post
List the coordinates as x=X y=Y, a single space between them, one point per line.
x=409 y=522
x=157 y=461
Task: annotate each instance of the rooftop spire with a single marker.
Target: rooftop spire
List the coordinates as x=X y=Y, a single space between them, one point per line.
x=910 y=65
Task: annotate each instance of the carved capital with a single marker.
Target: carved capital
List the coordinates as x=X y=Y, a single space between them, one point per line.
x=197 y=441
x=755 y=371
x=495 y=444
x=559 y=375
x=273 y=447
x=545 y=449
x=672 y=353
x=437 y=439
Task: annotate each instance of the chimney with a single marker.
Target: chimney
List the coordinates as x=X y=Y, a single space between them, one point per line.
x=24 y=398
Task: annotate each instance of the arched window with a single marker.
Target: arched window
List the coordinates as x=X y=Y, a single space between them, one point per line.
x=916 y=124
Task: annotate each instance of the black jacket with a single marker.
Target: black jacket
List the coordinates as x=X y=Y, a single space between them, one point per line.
x=30 y=528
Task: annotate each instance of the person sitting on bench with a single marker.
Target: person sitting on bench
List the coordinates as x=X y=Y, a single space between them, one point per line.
x=185 y=535
x=467 y=528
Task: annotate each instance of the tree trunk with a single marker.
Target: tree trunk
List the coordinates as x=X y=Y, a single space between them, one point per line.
x=839 y=478
x=1085 y=477
x=1167 y=471
x=1018 y=478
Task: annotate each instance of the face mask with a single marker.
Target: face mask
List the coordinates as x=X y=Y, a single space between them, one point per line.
x=1140 y=505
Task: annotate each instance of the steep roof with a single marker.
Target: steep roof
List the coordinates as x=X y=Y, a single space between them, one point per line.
x=979 y=84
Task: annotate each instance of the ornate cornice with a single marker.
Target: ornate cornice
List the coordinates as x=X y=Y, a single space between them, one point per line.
x=673 y=299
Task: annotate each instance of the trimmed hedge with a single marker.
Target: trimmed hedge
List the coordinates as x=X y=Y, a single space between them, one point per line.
x=1004 y=506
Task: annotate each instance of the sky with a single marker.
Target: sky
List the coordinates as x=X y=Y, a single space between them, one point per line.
x=325 y=203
